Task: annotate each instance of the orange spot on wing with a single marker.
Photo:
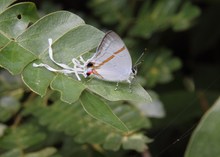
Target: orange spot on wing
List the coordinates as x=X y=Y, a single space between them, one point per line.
x=96 y=73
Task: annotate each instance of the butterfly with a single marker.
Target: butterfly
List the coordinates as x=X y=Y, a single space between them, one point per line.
x=111 y=61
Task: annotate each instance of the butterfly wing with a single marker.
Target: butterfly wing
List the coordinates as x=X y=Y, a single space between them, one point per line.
x=112 y=61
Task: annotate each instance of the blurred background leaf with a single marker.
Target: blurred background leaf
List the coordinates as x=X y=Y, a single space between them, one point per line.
x=21 y=137
x=86 y=129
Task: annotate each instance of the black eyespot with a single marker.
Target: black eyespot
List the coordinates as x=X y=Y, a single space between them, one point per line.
x=19 y=16
x=134 y=71
x=88 y=73
x=90 y=64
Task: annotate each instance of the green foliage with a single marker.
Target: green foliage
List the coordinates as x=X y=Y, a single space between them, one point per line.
x=159 y=67
x=162 y=15
x=101 y=111
x=59 y=115
x=8 y=107
x=152 y=16
x=47 y=152
x=21 y=137
x=47 y=114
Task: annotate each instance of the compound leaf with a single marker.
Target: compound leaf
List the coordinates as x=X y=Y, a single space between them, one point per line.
x=74 y=121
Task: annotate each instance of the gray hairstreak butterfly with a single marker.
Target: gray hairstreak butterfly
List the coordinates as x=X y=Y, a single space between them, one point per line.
x=111 y=62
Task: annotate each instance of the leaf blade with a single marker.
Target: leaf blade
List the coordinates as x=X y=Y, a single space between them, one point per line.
x=107 y=90
x=99 y=110
x=37 y=79
x=14 y=58
x=35 y=38
x=205 y=140
x=69 y=88
x=16 y=18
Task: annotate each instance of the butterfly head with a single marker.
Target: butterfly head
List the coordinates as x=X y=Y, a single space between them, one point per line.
x=88 y=72
x=134 y=71
x=89 y=64
x=89 y=69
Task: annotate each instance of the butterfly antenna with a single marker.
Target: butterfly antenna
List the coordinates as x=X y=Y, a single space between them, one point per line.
x=139 y=61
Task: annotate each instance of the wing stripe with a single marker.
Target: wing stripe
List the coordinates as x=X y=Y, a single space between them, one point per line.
x=120 y=50
x=112 y=56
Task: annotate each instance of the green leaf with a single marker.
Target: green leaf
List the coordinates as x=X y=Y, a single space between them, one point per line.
x=102 y=9
x=5 y=4
x=113 y=142
x=163 y=14
x=154 y=17
x=113 y=13
x=70 y=148
x=21 y=137
x=59 y=23
x=100 y=110
x=131 y=116
x=2 y=129
x=8 y=107
x=107 y=90
x=46 y=152
x=136 y=142
x=11 y=85
x=183 y=19
x=37 y=79
x=15 y=19
x=69 y=88
x=14 y=58
x=205 y=139
x=12 y=153
x=3 y=40
x=159 y=66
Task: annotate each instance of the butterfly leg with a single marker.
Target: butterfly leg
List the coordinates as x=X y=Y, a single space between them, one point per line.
x=117 y=86
x=82 y=60
x=84 y=65
x=78 y=67
x=130 y=88
x=77 y=75
x=130 y=84
x=76 y=63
